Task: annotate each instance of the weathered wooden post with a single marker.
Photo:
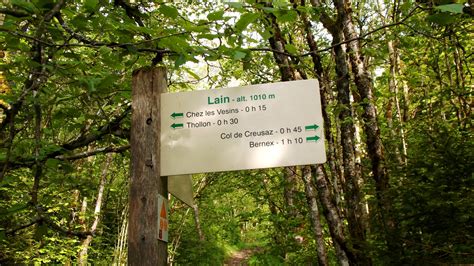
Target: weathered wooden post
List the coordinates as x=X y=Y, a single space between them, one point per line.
x=144 y=248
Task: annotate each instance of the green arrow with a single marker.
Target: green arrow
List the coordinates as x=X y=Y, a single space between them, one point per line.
x=312 y=138
x=311 y=127
x=174 y=126
x=174 y=115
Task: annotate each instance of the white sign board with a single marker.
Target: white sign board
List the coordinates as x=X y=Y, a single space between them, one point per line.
x=250 y=127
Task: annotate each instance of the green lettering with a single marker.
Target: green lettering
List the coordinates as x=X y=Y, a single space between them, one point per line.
x=219 y=100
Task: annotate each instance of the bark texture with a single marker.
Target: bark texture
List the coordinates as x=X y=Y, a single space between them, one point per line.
x=352 y=174
x=325 y=91
x=197 y=221
x=120 y=251
x=287 y=71
x=312 y=200
x=335 y=222
x=394 y=89
x=82 y=256
x=144 y=248
x=364 y=84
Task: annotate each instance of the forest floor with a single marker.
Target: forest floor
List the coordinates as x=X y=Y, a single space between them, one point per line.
x=241 y=257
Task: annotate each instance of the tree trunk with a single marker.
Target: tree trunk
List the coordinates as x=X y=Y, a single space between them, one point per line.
x=365 y=89
x=120 y=252
x=352 y=175
x=353 y=195
x=146 y=181
x=277 y=43
x=328 y=200
x=198 y=222
x=74 y=203
x=82 y=256
x=316 y=225
x=82 y=214
x=335 y=223
x=325 y=91
x=290 y=190
x=461 y=83
x=393 y=87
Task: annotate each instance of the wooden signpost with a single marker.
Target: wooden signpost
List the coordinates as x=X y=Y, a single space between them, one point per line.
x=146 y=184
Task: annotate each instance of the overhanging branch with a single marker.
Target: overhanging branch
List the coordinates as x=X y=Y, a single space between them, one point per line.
x=361 y=37
x=110 y=128
x=49 y=223
x=14 y=12
x=94 y=152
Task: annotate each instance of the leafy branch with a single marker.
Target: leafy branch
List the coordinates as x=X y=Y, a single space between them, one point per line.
x=360 y=37
x=82 y=141
x=50 y=223
x=86 y=154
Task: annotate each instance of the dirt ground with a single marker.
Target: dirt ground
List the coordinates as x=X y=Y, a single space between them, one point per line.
x=240 y=257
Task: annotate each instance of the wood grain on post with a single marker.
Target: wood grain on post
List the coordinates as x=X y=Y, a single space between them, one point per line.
x=144 y=248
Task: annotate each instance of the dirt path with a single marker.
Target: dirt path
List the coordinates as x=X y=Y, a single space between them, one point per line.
x=240 y=257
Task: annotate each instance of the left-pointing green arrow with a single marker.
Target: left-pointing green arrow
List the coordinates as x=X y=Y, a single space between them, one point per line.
x=311 y=127
x=175 y=126
x=312 y=138
x=175 y=115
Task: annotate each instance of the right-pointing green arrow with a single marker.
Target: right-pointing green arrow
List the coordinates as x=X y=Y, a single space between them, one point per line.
x=312 y=138
x=175 y=115
x=174 y=125
x=311 y=127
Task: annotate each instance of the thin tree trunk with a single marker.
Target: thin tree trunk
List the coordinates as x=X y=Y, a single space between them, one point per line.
x=393 y=87
x=82 y=256
x=461 y=83
x=290 y=190
x=82 y=214
x=335 y=223
x=352 y=175
x=277 y=43
x=120 y=252
x=198 y=223
x=316 y=225
x=452 y=83
x=353 y=195
x=325 y=91
x=329 y=202
x=74 y=203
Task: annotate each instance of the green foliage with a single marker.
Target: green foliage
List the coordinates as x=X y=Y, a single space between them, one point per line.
x=435 y=207
x=196 y=252
x=451 y=8
x=245 y=21
x=265 y=258
x=77 y=65
x=168 y=11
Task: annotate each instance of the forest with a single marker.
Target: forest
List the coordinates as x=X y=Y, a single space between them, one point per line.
x=396 y=85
